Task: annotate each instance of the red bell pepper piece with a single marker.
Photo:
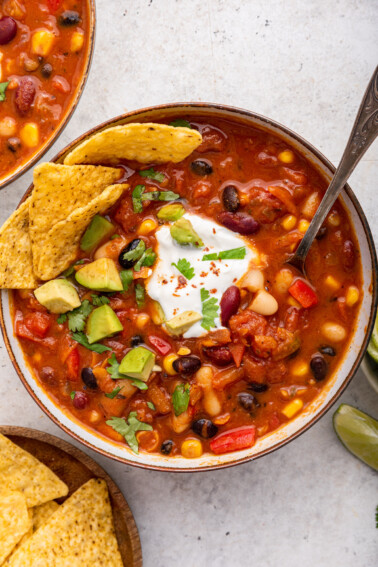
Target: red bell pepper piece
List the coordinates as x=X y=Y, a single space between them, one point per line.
x=53 y=5
x=234 y=440
x=38 y=324
x=73 y=364
x=237 y=351
x=163 y=347
x=303 y=293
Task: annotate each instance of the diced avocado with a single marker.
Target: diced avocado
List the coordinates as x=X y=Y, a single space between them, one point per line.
x=171 y=212
x=157 y=313
x=183 y=232
x=102 y=322
x=58 y=296
x=182 y=322
x=98 y=230
x=100 y=275
x=138 y=363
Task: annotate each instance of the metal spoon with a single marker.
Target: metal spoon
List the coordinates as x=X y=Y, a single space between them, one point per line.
x=364 y=132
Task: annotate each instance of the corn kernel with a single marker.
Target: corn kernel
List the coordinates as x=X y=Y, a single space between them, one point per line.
x=37 y=357
x=222 y=419
x=183 y=351
x=334 y=219
x=284 y=394
x=77 y=41
x=7 y=126
x=95 y=417
x=287 y=156
x=168 y=362
x=191 y=449
x=262 y=430
x=29 y=134
x=42 y=42
x=243 y=198
x=146 y=227
x=331 y=282
x=289 y=222
x=303 y=225
x=352 y=296
x=142 y=320
x=292 y=408
x=300 y=368
x=293 y=302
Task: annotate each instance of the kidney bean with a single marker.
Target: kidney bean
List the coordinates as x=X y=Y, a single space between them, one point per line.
x=230 y=198
x=221 y=356
x=187 y=364
x=247 y=401
x=25 y=94
x=257 y=387
x=47 y=375
x=204 y=428
x=201 y=167
x=318 y=367
x=229 y=303
x=8 y=30
x=349 y=256
x=239 y=222
x=80 y=400
x=328 y=350
x=89 y=378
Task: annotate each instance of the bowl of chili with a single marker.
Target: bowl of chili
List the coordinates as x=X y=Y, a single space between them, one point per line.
x=285 y=349
x=46 y=52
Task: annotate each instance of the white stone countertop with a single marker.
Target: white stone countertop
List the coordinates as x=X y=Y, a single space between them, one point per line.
x=305 y=64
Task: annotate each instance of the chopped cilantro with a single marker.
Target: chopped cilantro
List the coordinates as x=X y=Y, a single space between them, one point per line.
x=77 y=317
x=3 y=88
x=151 y=406
x=139 y=195
x=212 y=256
x=115 y=374
x=114 y=236
x=147 y=259
x=135 y=253
x=137 y=198
x=184 y=268
x=62 y=318
x=114 y=393
x=180 y=123
x=128 y=428
x=139 y=295
x=138 y=383
x=209 y=309
x=100 y=300
x=232 y=254
x=152 y=174
x=82 y=340
x=126 y=278
x=180 y=398
x=72 y=395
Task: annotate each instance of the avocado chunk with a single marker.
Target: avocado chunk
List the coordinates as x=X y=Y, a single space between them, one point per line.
x=157 y=313
x=102 y=323
x=138 y=363
x=98 y=230
x=171 y=212
x=183 y=232
x=58 y=296
x=100 y=275
x=182 y=322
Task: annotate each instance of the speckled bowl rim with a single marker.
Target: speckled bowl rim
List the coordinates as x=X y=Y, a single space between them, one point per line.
x=23 y=168
x=259 y=122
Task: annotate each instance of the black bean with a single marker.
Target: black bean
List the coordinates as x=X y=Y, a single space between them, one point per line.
x=166 y=447
x=187 y=364
x=257 y=387
x=230 y=198
x=136 y=340
x=89 y=378
x=318 y=367
x=321 y=233
x=127 y=264
x=46 y=70
x=204 y=428
x=201 y=167
x=69 y=18
x=13 y=144
x=328 y=350
x=247 y=401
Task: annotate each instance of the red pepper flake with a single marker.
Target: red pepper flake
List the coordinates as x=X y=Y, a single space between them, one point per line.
x=203 y=274
x=213 y=291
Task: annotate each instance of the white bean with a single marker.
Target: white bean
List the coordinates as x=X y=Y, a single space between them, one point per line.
x=333 y=332
x=181 y=422
x=253 y=280
x=210 y=400
x=264 y=303
x=283 y=281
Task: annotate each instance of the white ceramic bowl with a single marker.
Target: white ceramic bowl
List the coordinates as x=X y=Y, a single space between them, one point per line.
x=335 y=385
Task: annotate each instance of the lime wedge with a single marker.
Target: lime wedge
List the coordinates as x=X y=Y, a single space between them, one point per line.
x=358 y=432
x=374 y=336
x=373 y=351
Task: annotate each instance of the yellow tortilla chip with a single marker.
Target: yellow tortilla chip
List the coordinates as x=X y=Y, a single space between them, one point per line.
x=61 y=242
x=19 y=470
x=42 y=513
x=16 y=265
x=29 y=532
x=80 y=533
x=145 y=143
x=15 y=521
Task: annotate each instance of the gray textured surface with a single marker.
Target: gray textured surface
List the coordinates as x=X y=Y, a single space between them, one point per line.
x=305 y=64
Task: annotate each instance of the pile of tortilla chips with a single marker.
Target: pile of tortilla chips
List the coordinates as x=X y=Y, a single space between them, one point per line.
x=35 y=531
x=41 y=239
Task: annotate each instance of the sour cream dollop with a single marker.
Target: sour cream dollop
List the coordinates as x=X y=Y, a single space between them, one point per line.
x=166 y=284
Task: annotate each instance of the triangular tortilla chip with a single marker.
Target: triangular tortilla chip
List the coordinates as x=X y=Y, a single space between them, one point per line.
x=79 y=533
x=145 y=143
x=19 y=470
x=42 y=513
x=15 y=521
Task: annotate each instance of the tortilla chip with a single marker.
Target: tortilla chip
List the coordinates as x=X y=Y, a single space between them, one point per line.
x=80 y=533
x=42 y=513
x=145 y=143
x=61 y=243
x=15 y=521
x=29 y=532
x=16 y=266
x=19 y=470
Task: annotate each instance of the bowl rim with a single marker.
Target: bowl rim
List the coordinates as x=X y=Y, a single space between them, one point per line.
x=4 y=182
x=269 y=123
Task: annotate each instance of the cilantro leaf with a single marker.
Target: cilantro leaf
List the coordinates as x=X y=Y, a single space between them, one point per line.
x=137 y=198
x=152 y=174
x=114 y=393
x=126 y=278
x=232 y=254
x=180 y=398
x=147 y=259
x=128 y=428
x=139 y=295
x=213 y=256
x=114 y=236
x=62 y=318
x=138 y=383
x=151 y=406
x=180 y=123
x=77 y=317
x=160 y=196
x=3 y=88
x=135 y=253
x=184 y=268
x=210 y=309
x=82 y=340
x=99 y=300
x=114 y=372
x=72 y=395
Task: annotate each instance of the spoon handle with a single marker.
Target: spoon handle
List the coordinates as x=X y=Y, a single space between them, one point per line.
x=364 y=132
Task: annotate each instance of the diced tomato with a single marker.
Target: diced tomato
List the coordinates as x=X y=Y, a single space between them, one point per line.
x=38 y=324
x=303 y=293
x=285 y=197
x=274 y=421
x=237 y=351
x=162 y=346
x=234 y=440
x=73 y=364
x=53 y=5
x=23 y=332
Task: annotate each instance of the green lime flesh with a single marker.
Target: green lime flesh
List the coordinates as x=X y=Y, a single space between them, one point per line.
x=374 y=336
x=373 y=351
x=358 y=432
